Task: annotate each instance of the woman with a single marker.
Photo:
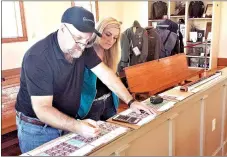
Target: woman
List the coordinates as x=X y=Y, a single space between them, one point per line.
x=97 y=101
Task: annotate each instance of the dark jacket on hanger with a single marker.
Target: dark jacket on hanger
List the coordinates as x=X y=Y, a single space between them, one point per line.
x=125 y=49
x=173 y=27
x=138 y=39
x=154 y=44
x=169 y=40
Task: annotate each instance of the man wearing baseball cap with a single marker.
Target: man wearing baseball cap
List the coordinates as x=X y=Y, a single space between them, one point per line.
x=51 y=80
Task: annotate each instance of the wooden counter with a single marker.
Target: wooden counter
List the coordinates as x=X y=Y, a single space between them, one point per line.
x=195 y=126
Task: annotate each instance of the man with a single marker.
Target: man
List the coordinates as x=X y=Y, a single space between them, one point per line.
x=51 y=80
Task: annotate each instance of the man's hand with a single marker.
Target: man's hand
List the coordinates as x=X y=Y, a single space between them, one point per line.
x=87 y=128
x=137 y=106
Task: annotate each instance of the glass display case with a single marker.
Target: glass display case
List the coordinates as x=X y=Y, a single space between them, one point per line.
x=198 y=54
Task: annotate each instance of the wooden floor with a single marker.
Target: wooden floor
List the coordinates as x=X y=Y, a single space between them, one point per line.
x=10 y=145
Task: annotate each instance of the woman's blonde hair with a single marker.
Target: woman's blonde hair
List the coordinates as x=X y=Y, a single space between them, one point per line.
x=112 y=56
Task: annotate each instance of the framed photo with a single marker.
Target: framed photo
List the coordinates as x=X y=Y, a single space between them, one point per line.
x=193 y=36
x=208 y=29
x=209 y=37
x=208 y=12
x=200 y=35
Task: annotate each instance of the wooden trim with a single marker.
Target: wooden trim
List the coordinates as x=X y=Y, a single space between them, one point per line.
x=24 y=29
x=10 y=40
x=97 y=10
x=23 y=21
x=222 y=61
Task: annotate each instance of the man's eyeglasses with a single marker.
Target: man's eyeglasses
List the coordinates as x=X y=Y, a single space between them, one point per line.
x=88 y=45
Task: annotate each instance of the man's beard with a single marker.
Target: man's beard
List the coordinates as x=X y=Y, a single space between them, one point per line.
x=75 y=53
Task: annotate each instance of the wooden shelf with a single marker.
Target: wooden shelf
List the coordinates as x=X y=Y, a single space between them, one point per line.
x=178 y=16
x=196 y=56
x=199 y=18
x=196 y=67
x=195 y=44
x=158 y=20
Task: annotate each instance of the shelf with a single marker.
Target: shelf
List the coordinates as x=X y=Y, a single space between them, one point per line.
x=178 y=16
x=204 y=22
x=158 y=20
x=199 y=18
x=195 y=44
x=196 y=67
x=196 y=56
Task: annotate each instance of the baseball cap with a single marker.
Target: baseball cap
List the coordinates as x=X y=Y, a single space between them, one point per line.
x=81 y=19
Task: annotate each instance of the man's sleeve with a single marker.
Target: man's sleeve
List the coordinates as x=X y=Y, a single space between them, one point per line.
x=39 y=76
x=91 y=58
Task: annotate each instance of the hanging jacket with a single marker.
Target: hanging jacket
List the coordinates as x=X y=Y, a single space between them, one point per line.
x=88 y=93
x=179 y=47
x=125 y=49
x=154 y=44
x=168 y=39
x=173 y=27
x=139 y=39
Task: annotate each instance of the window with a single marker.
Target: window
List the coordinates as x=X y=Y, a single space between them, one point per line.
x=13 y=22
x=91 y=5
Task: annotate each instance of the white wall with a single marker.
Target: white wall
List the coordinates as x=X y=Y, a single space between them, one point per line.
x=125 y=11
x=110 y=8
x=223 y=31
x=134 y=10
x=41 y=18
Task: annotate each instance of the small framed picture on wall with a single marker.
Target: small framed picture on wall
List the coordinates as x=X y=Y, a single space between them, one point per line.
x=209 y=10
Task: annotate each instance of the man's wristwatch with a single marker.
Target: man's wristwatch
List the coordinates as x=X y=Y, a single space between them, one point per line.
x=130 y=102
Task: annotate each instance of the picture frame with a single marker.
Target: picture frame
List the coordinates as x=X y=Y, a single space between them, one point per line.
x=193 y=36
x=209 y=10
x=208 y=29
x=209 y=37
x=200 y=35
